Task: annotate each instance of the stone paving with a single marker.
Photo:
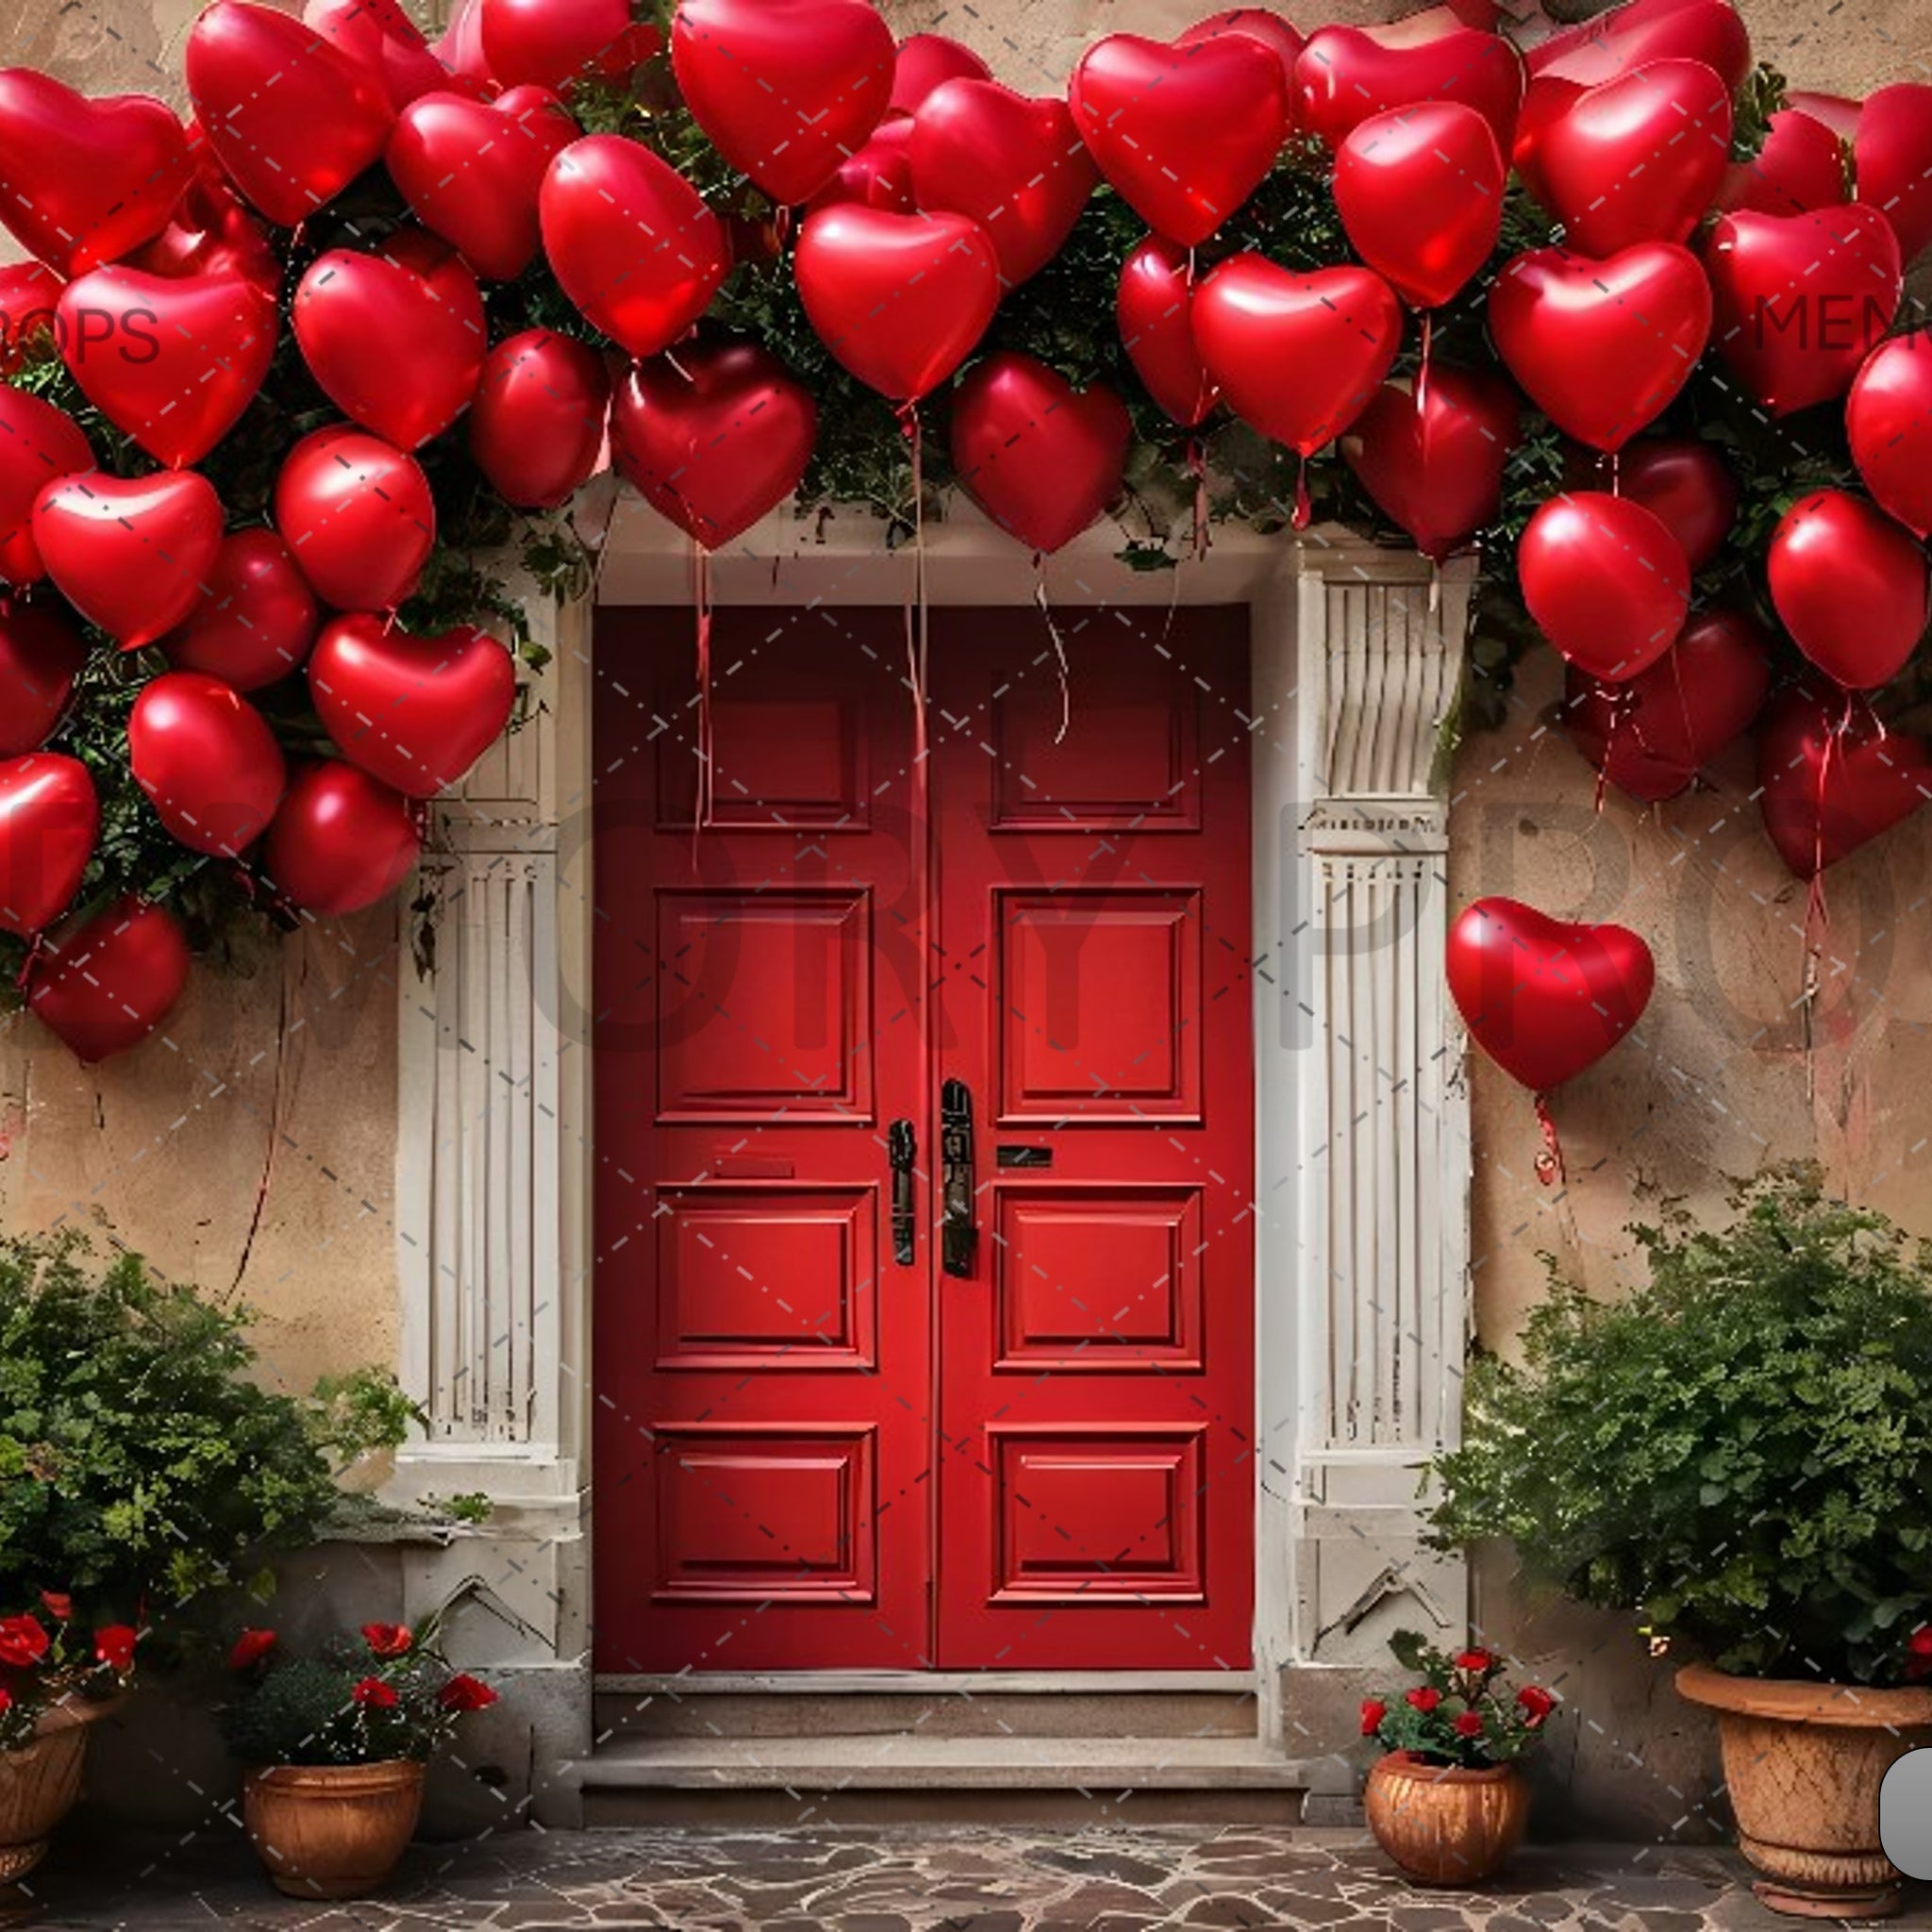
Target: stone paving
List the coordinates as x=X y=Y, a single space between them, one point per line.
x=915 y=1879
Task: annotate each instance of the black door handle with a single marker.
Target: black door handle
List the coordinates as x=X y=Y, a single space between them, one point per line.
x=902 y=1150
x=957 y=1235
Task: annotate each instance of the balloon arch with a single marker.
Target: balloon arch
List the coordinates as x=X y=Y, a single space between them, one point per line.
x=1617 y=310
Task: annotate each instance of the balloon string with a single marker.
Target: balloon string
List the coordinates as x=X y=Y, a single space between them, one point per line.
x=35 y=948
x=1303 y=510
x=918 y=636
x=1817 y=913
x=701 y=810
x=1622 y=709
x=1435 y=587
x=1197 y=469
x=1060 y=647
x=1549 y=1163
x=1421 y=389
x=1616 y=473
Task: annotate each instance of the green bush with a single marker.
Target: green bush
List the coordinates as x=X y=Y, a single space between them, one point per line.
x=1740 y=1452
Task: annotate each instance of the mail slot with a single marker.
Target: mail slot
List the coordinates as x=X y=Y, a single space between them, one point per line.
x=1008 y=1155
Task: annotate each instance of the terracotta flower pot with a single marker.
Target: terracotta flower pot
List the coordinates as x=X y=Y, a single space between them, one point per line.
x=40 y=1782
x=1443 y=1825
x=332 y=1830
x=1804 y=1763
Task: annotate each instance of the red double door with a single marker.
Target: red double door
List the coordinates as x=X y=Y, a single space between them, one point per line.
x=925 y=1275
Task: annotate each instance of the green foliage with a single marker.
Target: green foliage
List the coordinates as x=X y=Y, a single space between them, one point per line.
x=1740 y=1453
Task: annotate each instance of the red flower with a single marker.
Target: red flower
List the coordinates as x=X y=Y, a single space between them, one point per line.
x=1537 y=1702
x=1475 y=1660
x=1920 y=1642
x=114 y=1646
x=1374 y=1711
x=1424 y=1698
x=464 y=1692
x=250 y=1648
x=1468 y=1724
x=22 y=1640
x=60 y=1604
x=374 y=1693
x=387 y=1639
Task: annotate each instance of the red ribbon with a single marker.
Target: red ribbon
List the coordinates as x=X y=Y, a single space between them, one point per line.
x=1817 y=913
x=1303 y=510
x=1549 y=1163
x=701 y=810
x=916 y=631
x=1197 y=469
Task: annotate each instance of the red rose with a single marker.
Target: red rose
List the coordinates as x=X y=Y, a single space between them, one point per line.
x=114 y=1646
x=374 y=1693
x=23 y=1641
x=387 y=1639
x=1424 y=1699
x=464 y=1692
x=1477 y=1661
x=1374 y=1711
x=1468 y=1724
x=1920 y=1642
x=60 y=1604
x=250 y=1648
x=1536 y=1702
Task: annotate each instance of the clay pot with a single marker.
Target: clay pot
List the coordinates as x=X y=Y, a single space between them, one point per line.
x=1804 y=1763
x=332 y=1830
x=40 y=1782
x=1443 y=1825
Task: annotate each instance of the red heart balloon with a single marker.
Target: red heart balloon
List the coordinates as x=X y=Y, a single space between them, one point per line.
x=1801 y=300
x=1638 y=159
x=1892 y=158
x=1853 y=589
x=380 y=36
x=342 y=841
x=460 y=46
x=1630 y=37
x=396 y=339
x=1605 y=581
x=41 y=655
x=537 y=428
x=1839 y=112
x=1603 y=347
x=1684 y=484
x=1259 y=24
x=1298 y=357
x=256 y=620
x=1155 y=309
x=39 y=444
x=207 y=762
x=1041 y=458
x=172 y=363
x=1017 y=167
x=1185 y=133
x=1650 y=738
x=715 y=440
x=82 y=181
x=878 y=176
x=1545 y=998
x=1831 y=777
x=1345 y=75
x=415 y=712
x=786 y=89
x=1889 y=419
x=553 y=43
x=473 y=169
x=900 y=300
x=1801 y=166
x=211 y=233
x=357 y=517
x=49 y=820
x=1442 y=487
x=926 y=62
x=292 y=121
x=631 y=241
x=29 y=295
x=105 y=983
x=1420 y=191
x=130 y=554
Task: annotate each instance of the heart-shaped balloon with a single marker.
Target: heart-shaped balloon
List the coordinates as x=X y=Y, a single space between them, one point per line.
x=878 y=176
x=256 y=622
x=39 y=444
x=1603 y=347
x=1632 y=36
x=1638 y=159
x=1420 y=191
x=1185 y=133
x=106 y=982
x=131 y=552
x=357 y=517
x=396 y=339
x=786 y=89
x=1801 y=166
x=83 y=182
x=1155 y=309
x=1650 y=738
x=1839 y=112
x=415 y=712
x=174 y=363
x=29 y=295
x=900 y=300
x=213 y=233
x=553 y=43
x=1853 y=589
x=292 y=121
x=713 y=440
x=49 y=820
x=1259 y=24
x=207 y=762
x=1041 y=458
x=1017 y=167
x=1892 y=158
x=1831 y=777
x=1801 y=300
x=1345 y=74
x=380 y=36
x=631 y=241
x=472 y=171
x=1444 y=486
x=1297 y=356
x=537 y=426
x=342 y=841
x=1889 y=419
x=1605 y=581
x=1683 y=481
x=41 y=655
x=460 y=46
x=1545 y=998
x=924 y=62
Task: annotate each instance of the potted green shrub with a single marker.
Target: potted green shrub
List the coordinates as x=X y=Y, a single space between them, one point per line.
x=336 y=1747
x=1740 y=1453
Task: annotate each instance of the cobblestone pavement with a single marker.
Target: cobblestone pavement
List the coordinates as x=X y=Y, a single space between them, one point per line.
x=916 y=1880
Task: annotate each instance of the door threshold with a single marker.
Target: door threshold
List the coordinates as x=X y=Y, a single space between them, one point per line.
x=914 y=1683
